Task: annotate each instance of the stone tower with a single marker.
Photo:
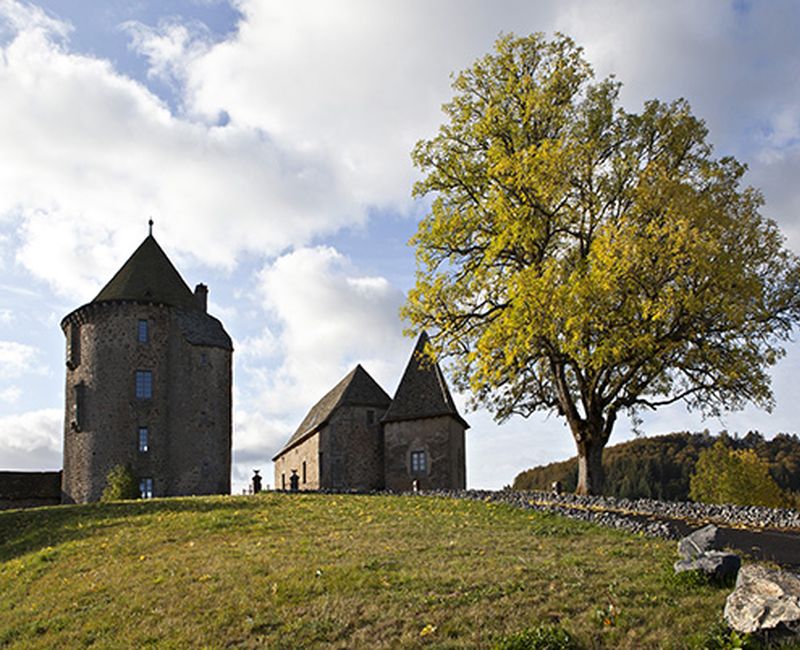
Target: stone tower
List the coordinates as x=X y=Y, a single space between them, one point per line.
x=423 y=434
x=148 y=385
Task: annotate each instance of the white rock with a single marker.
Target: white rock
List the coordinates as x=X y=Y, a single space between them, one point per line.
x=764 y=599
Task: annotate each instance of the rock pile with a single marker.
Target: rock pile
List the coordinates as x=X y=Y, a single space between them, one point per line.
x=640 y=515
x=701 y=552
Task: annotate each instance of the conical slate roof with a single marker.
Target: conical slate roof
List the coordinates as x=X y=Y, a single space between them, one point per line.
x=149 y=276
x=423 y=391
x=357 y=388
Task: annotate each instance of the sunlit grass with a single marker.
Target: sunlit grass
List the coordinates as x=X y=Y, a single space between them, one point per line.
x=290 y=571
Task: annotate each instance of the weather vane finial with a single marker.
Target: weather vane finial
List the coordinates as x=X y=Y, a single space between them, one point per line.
x=150 y=223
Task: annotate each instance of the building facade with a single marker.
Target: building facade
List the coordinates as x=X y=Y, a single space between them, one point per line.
x=148 y=385
x=358 y=438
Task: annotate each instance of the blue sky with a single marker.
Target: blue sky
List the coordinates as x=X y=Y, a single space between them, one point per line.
x=270 y=143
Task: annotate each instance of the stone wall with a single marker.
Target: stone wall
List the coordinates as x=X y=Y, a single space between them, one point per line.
x=442 y=440
x=306 y=452
x=29 y=489
x=353 y=449
x=200 y=419
x=188 y=416
x=346 y=453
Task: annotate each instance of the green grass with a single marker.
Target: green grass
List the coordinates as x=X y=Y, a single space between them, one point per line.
x=294 y=571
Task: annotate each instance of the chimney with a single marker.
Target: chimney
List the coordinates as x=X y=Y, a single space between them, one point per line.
x=201 y=294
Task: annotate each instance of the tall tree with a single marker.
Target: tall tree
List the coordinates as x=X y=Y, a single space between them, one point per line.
x=585 y=260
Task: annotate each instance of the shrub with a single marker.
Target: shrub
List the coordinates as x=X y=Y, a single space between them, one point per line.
x=543 y=637
x=120 y=484
x=721 y=637
x=736 y=476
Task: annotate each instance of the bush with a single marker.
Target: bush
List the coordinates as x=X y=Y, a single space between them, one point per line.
x=721 y=637
x=736 y=476
x=120 y=484
x=544 y=637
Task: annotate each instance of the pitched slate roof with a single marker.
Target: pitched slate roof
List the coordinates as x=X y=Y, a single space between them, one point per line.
x=357 y=388
x=149 y=276
x=423 y=391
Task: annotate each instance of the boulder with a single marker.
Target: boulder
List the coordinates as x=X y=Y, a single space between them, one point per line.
x=764 y=599
x=700 y=541
x=718 y=565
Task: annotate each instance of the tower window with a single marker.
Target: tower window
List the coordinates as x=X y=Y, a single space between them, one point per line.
x=144 y=384
x=304 y=471
x=74 y=351
x=419 y=462
x=78 y=397
x=144 y=439
x=143 y=331
x=370 y=416
x=146 y=488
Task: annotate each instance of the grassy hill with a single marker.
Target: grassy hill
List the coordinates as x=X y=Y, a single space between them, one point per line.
x=293 y=571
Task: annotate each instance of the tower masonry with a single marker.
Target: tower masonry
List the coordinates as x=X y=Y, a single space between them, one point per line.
x=148 y=385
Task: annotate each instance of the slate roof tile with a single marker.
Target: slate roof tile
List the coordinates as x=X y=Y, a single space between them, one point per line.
x=149 y=276
x=357 y=388
x=423 y=390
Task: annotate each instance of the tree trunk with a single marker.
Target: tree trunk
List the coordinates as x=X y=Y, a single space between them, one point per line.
x=590 y=465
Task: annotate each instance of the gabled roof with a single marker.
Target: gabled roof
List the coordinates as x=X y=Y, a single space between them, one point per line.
x=423 y=391
x=357 y=388
x=149 y=276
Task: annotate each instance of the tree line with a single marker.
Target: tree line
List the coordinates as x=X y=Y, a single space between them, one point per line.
x=661 y=467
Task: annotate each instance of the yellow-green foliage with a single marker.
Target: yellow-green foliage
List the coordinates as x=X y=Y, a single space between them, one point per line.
x=333 y=571
x=586 y=260
x=737 y=476
x=120 y=484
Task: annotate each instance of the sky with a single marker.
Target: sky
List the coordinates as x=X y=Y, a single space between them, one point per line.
x=270 y=141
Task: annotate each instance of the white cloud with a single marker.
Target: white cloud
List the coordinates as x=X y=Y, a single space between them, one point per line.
x=96 y=153
x=6 y=316
x=325 y=101
x=31 y=440
x=169 y=48
x=331 y=318
x=18 y=16
x=16 y=358
x=10 y=395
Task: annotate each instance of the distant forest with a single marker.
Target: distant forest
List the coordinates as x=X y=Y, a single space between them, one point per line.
x=660 y=467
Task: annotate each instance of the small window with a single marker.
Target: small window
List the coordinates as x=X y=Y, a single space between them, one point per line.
x=283 y=481
x=74 y=351
x=419 y=462
x=143 y=331
x=78 y=407
x=146 y=488
x=144 y=384
x=144 y=439
x=370 y=416
x=304 y=471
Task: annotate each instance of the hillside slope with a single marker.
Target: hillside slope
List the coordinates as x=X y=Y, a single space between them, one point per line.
x=296 y=571
x=659 y=467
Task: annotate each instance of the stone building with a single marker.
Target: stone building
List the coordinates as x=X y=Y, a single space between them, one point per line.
x=148 y=385
x=356 y=437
